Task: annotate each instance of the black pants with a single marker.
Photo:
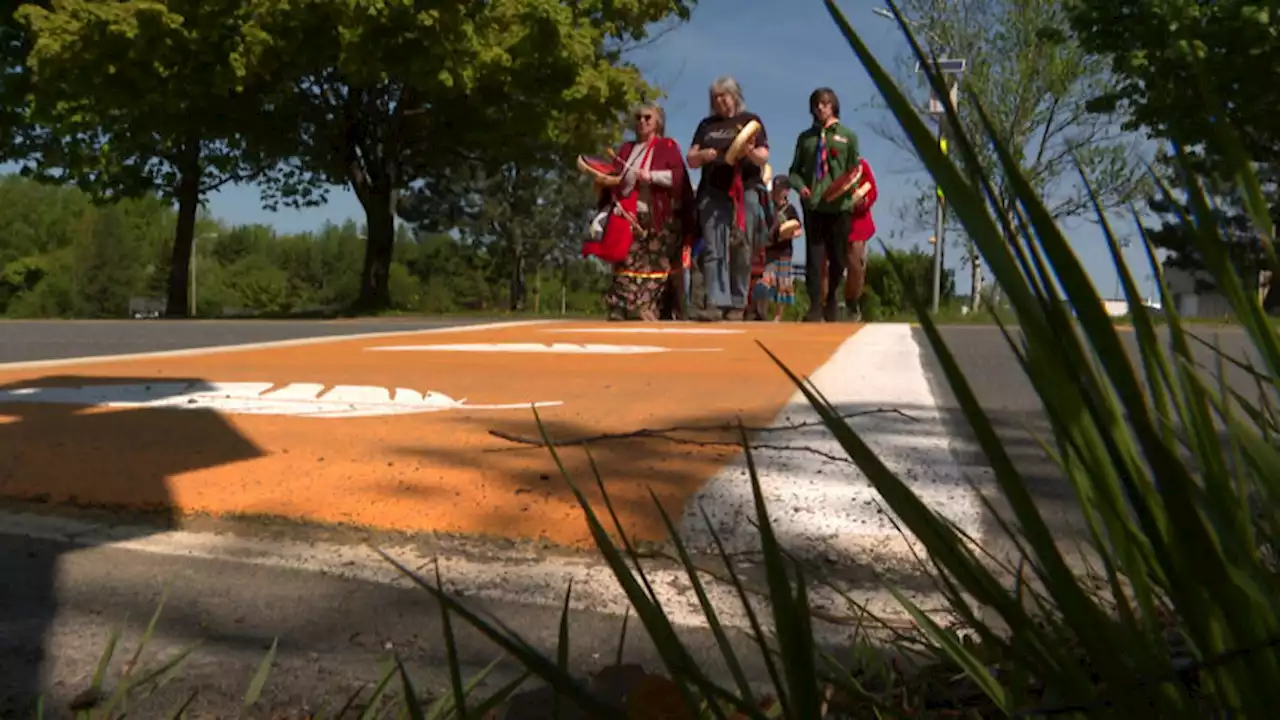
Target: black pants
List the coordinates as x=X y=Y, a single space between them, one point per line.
x=826 y=239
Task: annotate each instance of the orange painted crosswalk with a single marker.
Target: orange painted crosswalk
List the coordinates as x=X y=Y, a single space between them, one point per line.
x=415 y=432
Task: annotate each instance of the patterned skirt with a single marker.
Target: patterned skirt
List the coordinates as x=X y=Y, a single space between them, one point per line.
x=779 y=279
x=640 y=280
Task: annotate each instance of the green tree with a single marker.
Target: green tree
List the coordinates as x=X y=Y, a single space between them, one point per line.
x=15 y=44
x=889 y=287
x=518 y=216
x=151 y=97
x=107 y=265
x=37 y=219
x=453 y=276
x=49 y=293
x=1036 y=84
x=1243 y=242
x=240 y=242
x=389 y=92
x=1168 y=57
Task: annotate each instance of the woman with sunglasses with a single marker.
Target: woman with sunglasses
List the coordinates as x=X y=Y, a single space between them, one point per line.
x=654 y=205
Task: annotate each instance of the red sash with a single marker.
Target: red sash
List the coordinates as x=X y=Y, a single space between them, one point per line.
x=738 y=195
x=619 y=228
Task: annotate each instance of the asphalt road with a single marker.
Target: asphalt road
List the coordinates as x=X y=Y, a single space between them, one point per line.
x=1001 y=387
x=980 y=349
x=24 y=341
x=335 y=634
x=1014 y=409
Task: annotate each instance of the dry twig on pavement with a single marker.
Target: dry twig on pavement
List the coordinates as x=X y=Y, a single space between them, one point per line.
x=666 y=434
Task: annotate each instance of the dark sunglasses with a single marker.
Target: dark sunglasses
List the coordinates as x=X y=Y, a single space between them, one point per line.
x=645 y=116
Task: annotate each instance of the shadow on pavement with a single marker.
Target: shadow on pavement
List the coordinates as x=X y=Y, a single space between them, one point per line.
x=53 y=451
x=334 y=634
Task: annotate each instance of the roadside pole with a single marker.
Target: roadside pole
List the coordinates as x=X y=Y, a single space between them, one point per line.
x=939 y=228
x=949 y=68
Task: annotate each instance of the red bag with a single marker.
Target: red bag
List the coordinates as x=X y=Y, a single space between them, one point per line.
x=615 y=244
x=863 y=227
x=619 y=229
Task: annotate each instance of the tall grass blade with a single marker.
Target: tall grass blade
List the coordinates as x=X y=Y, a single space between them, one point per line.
x=622 y=636
x=708 y=610
x=562 y=650
x=374 y=704
x=412 y=703
x=512 y=643
x=104 y=661
x=674 y=655
x=753 y=620
x=796 y=647
x=146 y=634
x=161 y=673
x=350 y=702
x=500 y=696
x=443 y=707
x=260 y=677
x=451 y=652
x=181 y=710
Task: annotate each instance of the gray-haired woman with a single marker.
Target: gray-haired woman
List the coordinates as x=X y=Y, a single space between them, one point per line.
x=732 y=203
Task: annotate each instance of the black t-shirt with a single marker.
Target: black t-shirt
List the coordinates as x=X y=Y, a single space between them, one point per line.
x=718 y=133
x=778 y=248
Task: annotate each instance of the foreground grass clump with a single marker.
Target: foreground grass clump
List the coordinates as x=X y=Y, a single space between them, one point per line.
x=1177 y=476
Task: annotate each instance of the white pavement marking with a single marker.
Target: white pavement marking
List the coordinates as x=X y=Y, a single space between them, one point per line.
x=514 y=579
x=627 y=330
x=257 y=398
x=269 y=345
x=546 y=348
x=826 y=508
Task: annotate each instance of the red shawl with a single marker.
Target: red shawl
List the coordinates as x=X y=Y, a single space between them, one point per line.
x=863 y=228
x=664 y=203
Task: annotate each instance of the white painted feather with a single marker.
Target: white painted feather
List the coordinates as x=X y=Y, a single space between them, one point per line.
x=311 y=400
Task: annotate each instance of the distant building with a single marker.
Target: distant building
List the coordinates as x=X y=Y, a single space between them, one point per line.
x=1192 y=294
x=1116 y=308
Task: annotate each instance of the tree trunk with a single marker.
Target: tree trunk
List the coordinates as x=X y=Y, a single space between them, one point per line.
x=518 y=288
x=188 y=192
x=537 y=291
x=564 y=287
x=975 y=278
x=380 y=218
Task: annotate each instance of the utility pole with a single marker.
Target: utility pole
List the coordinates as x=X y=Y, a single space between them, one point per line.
x=951 y=69
x=939 y=228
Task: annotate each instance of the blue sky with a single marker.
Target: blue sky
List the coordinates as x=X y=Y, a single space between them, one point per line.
x=779 y=51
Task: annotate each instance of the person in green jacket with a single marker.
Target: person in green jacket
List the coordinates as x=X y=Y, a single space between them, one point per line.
x=823 y=153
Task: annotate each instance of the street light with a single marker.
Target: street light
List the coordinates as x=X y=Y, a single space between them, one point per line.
x=950 y=68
